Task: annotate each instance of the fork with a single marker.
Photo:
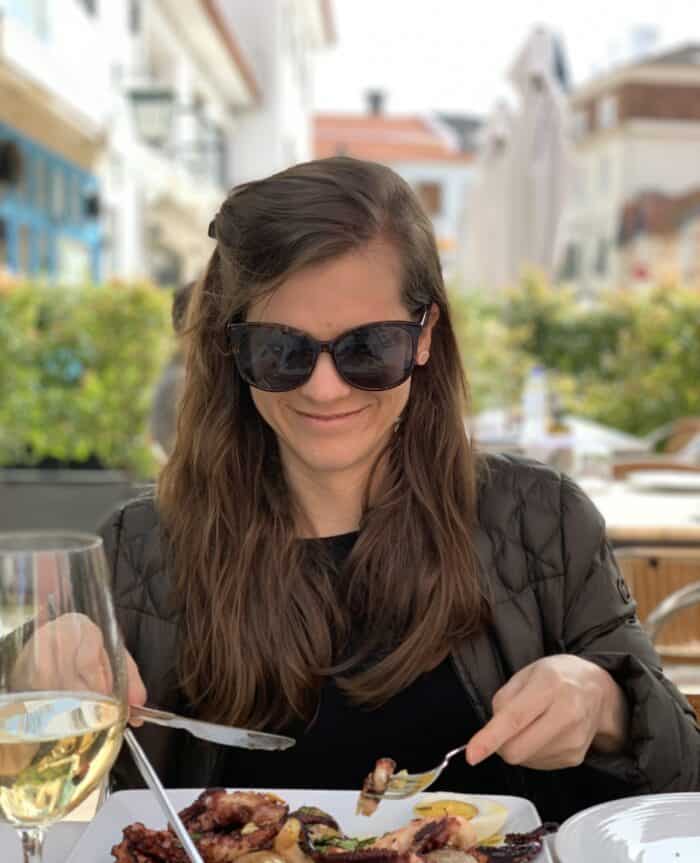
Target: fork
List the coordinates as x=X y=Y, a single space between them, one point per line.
x=403 y=784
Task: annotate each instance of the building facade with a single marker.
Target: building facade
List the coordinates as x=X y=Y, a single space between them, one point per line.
x=638 y=138
x=281 y=44
x=433 y=153
x=124 y=123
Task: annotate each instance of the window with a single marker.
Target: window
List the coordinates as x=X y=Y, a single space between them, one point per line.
x=607 y=112
x=58 y=192
x=430 y=195
x=134 y=17
x=602 y=257
x=24 y=249
x=571 y=268
x=40 y=183
x=75 y=199
x=90 y=6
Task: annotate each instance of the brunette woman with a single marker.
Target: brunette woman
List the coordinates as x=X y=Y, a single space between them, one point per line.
x=327 y=556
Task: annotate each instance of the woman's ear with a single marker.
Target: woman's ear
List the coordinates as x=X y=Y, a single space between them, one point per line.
x=425 y=340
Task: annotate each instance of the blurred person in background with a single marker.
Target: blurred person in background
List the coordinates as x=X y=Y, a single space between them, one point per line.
x=169 y=387
x=327 y=557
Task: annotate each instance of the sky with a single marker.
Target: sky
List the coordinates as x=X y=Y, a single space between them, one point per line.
x=453 y=55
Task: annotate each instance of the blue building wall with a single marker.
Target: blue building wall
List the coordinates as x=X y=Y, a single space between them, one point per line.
x=45 y=212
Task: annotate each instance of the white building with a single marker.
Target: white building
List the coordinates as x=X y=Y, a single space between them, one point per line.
x=123 y=124
x=434 y=153
x=638 y=135
x=280 y=43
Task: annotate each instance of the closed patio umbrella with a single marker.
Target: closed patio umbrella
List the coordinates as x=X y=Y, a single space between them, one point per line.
x=541 y=157
x=486 y=247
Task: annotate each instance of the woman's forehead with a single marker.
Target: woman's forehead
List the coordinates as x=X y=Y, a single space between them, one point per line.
x=327 y=298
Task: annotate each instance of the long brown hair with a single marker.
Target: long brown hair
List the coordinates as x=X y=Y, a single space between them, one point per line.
x=262 y=620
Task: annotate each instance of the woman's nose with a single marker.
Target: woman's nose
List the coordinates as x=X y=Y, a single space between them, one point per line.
x=325 y=384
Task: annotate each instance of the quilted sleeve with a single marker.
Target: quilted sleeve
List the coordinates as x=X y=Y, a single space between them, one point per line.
x=149 y=629
x=600 y=625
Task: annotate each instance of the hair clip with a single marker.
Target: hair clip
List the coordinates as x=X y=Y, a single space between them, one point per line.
x=212 y=229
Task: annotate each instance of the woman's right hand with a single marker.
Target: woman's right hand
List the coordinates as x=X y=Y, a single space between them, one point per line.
x=68 y=653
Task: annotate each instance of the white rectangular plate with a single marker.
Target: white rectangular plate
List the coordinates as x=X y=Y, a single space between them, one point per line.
x=125 y=807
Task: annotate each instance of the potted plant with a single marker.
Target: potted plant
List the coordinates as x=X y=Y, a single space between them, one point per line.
x=77 y=370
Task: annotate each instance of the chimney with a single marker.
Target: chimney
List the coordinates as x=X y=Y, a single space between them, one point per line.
x=376 y=100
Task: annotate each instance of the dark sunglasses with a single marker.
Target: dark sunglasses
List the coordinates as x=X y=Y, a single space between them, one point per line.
x=276 y=358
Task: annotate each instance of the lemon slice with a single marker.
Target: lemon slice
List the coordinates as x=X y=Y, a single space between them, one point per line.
x=441 y=807
x=486 y=816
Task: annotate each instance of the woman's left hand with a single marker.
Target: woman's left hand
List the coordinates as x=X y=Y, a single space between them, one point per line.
x=551 y=712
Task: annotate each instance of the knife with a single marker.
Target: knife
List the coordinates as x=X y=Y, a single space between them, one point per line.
x=226 y=735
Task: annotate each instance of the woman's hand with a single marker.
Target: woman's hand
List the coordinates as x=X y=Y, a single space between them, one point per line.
x=551 y=712
x=68 y=653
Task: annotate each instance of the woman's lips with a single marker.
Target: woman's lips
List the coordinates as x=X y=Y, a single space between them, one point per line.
x=329 y=420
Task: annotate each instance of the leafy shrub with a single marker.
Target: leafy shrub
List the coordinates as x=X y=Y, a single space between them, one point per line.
x=77 y=371
x=630 y=360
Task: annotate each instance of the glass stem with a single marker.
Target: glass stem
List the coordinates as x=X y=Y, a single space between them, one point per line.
x=32 y=844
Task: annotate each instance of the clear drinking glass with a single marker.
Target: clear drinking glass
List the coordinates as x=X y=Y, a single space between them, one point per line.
x=62 y=678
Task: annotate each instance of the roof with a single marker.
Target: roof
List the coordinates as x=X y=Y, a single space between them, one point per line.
x=239 y=60
x=386 y=138
x=657 y=213
x=674 y=65
x=683 y=55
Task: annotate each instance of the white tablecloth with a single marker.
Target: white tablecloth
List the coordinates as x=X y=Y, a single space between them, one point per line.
x=59 y=841
x=623 y=508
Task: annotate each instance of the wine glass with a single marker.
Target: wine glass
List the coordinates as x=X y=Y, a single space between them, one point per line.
x=63 y=701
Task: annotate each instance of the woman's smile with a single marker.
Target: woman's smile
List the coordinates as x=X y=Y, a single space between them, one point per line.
x=338 y=421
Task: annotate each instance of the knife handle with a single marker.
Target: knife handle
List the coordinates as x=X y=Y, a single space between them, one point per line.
x=150 y=714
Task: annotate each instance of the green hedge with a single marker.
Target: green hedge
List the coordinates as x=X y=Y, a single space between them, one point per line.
x=630 y=360
x=77 y=371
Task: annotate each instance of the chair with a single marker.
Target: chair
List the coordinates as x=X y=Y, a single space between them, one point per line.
x=665 y=582
x=675 y=446
x=620 y=469
x=675 y=604
x=694 y=699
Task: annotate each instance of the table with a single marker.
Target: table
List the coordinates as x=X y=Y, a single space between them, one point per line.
x=635 y=516
x=494 y=434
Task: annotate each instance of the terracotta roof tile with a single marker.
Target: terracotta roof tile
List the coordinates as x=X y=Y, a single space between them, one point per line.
x=383 y=138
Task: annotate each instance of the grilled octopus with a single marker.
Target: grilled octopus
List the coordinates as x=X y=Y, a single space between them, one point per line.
x=250 y=827
x=224 y=825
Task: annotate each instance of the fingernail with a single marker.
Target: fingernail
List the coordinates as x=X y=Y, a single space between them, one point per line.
x=475 y=755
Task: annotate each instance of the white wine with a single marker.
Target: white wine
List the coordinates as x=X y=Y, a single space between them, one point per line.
x=55 y=747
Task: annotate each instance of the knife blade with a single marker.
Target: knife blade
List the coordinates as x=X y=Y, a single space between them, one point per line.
x=225 y=735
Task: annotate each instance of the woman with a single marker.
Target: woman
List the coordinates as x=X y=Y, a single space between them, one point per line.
x=327 y=557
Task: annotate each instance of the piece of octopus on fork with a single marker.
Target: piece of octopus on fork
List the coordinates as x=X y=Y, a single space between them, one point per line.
x=375 y=783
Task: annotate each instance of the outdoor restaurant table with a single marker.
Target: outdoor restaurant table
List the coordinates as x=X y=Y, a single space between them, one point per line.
x=633 y=516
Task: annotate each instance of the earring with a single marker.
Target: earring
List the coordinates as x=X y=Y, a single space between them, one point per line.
x=397 y=425
x=423 y=357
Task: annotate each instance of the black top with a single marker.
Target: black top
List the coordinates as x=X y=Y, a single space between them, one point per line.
x=339 y=747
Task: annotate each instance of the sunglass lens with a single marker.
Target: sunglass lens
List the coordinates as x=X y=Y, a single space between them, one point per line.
x=274 y=359
x=376 y=357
